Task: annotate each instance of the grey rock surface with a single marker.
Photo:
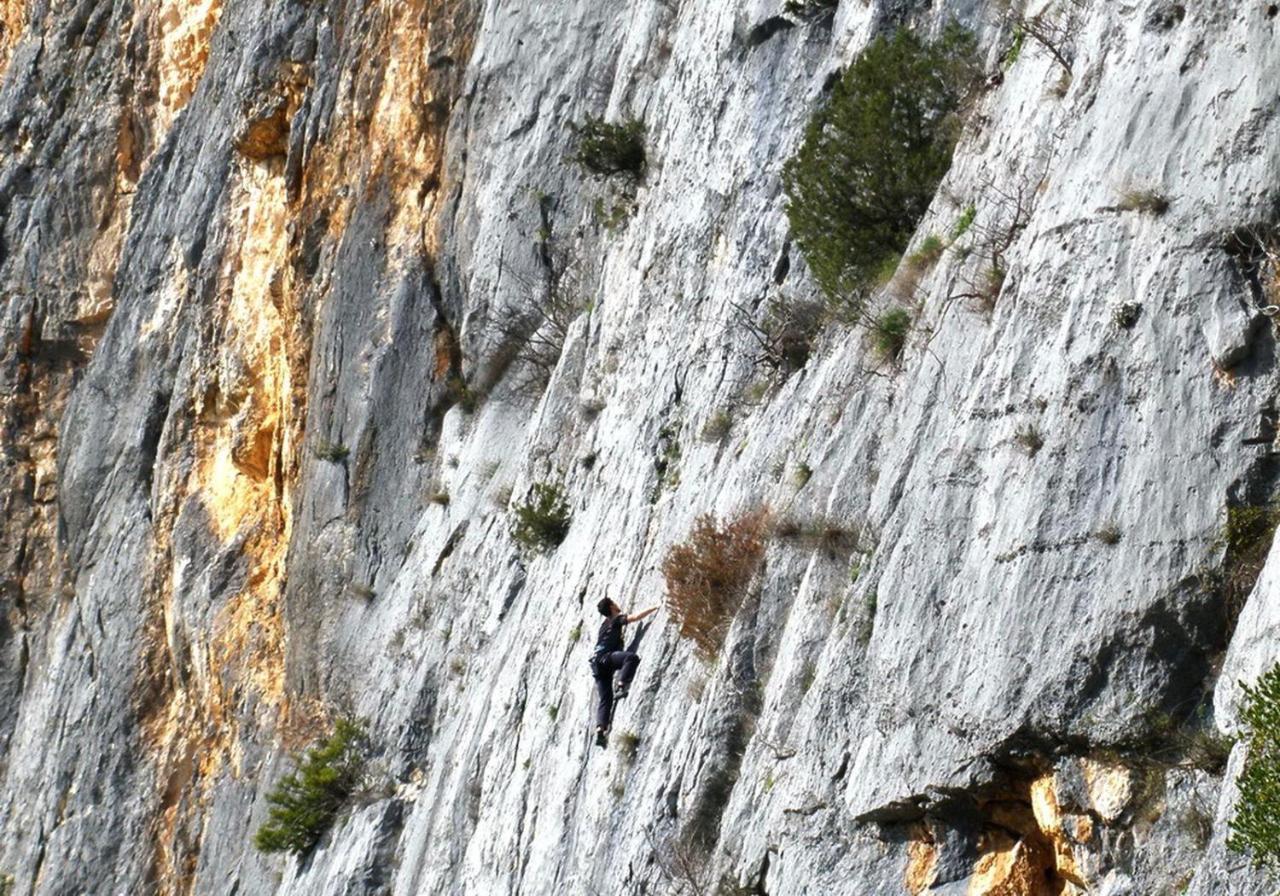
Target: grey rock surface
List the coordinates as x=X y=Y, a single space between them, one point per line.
x=265 y=422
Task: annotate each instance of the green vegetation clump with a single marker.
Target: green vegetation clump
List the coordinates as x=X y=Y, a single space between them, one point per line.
x=1108 y=534
x=873 y=155
x=306 y=801
x=1255 y=829
x=718 y=426
x=1247 y=537
x=1148 y=202
x=931 y=249
x=809 y=8
x=964 y=222
x=889 y=334
x=542 y=521
x=628 y=743
x=609 y=149
x=330 y=451
x=1029 y=437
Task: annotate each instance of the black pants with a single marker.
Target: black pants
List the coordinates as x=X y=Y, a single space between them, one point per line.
x=603 y=669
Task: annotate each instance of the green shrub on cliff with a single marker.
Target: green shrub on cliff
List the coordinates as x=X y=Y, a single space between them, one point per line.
x=1255 y=829
x=874 y=154
x=606 y=149
x=542 y=521
x=306 y=801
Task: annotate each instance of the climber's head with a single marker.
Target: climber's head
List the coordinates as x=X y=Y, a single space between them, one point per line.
x=608 y=608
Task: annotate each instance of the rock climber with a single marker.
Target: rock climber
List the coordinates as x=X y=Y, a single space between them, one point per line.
x=610 y=657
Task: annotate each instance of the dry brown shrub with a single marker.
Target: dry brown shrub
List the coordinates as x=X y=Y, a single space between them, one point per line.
x=708 y=574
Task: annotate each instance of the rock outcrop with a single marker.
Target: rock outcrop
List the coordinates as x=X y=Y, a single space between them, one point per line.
x=266 y=415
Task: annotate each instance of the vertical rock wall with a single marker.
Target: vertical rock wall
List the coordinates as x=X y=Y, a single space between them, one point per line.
x=265 y=421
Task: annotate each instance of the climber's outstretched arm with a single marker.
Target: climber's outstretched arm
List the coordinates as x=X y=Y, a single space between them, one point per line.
x=636 y=617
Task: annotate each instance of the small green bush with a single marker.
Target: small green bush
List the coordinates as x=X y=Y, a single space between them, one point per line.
x=628 y=743
x=931 y=249
x=1108 y=534
x=1015 y=48
x=330 y=451
x=889 y=333
x=1146 y=201
x=1246 y=536
x=609 y=149
x=964 y=222
x=873 y=155
x=1255 y=828
x=718 y=426
x=306 y=801
x=1029 y=437
x=809 y=8
x=803 y=473
x=542 y=521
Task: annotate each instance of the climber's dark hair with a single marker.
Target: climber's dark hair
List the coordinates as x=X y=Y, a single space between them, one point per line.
x=605 y=606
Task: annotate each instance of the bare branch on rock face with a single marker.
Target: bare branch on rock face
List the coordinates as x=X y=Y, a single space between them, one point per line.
x=1054 y=28
x=531 y=334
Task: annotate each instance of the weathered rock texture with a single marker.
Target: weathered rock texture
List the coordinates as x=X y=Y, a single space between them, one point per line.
x=255 y=261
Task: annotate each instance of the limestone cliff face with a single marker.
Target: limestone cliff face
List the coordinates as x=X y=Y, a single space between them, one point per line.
x=255 y=263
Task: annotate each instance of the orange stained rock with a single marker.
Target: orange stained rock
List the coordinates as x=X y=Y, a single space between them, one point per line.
x=922 y=866
x=183 y=32
x=1048 y=815
x=13 y=19
x=1013 y=868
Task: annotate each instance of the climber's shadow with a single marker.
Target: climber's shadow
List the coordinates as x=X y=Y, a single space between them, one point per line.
x=641 y=628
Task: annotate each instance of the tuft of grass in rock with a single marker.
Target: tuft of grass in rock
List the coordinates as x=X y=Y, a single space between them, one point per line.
x=889 y=332
x=718 y=426
x=964 y=222
x=542 y=521
x=802 y=475
x=607 y=149
x=1010 y=56
x=989 y=289
x=806 y=9
x=1148 y=202
x=821 y=533
x=867 y=628
x=1029 y=439
x=808 y=672
x=1108 y=534
x=306 y=801
x=330 y=451
x=1246 y=537
x=439 y=497
x=362 y=591
x=553 y=710
x=460 y=394
x=575 y=633
x=1126 y=314
x=931 y=249
x=628 y=743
